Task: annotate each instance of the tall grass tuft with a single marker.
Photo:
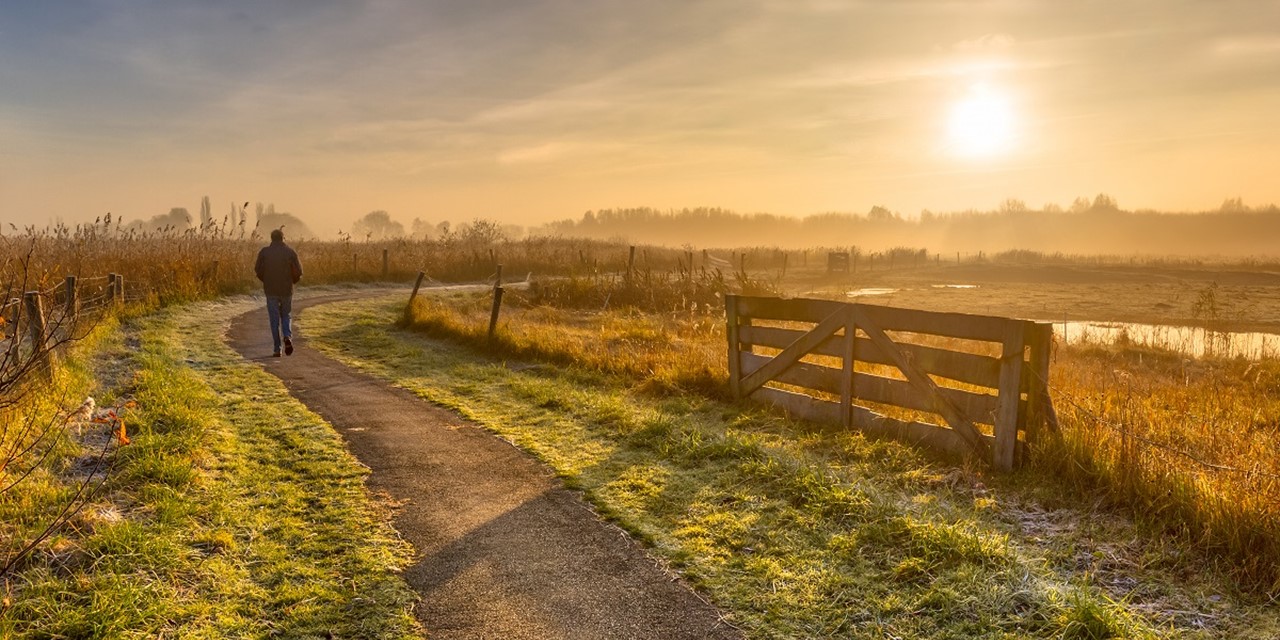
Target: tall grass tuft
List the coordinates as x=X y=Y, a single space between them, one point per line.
x=1188 y=444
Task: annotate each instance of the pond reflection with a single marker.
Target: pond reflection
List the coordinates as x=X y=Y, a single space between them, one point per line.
x=1192 y=341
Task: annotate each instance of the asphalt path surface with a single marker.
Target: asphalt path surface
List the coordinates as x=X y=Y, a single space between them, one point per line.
x=502 y=549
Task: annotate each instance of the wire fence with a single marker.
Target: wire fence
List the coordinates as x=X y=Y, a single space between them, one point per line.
x=1120 y=429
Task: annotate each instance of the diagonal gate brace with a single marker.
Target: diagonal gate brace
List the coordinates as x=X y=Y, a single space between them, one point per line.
x=955 y=418
x=796 y=350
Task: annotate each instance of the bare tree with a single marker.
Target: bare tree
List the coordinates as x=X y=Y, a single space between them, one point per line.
x=28 y=437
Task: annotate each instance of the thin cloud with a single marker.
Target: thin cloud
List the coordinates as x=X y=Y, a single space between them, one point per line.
x=538 y=154
x=1248 y=46
x=986 y=43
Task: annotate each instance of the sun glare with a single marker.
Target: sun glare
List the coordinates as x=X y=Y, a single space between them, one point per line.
x=981 y=124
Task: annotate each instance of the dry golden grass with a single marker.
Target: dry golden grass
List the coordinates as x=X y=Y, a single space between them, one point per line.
x=166 y=267
x=1191 y=444
x=1188 y=446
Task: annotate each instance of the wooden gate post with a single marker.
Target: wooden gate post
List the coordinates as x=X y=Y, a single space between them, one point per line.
x=735 y=352
x=119 y=289
x=846 y=375
x=1010 y=394
x=1039 y=406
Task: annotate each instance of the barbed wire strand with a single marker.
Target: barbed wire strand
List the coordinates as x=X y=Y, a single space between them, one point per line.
x=1121 y=429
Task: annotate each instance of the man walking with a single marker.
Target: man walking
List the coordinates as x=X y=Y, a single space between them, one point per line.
x=278 y=269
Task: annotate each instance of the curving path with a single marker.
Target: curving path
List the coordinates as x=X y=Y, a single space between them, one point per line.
x=503 y=551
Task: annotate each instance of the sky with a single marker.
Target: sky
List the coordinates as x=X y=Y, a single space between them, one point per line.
x=527 y=112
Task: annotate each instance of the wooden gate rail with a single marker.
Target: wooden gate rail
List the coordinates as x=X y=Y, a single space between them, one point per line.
x=1021 y=369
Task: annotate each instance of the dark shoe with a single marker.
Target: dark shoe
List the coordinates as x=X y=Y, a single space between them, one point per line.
x=275 y=354
x=288 y=347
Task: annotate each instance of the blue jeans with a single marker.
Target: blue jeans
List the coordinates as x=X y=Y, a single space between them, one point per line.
x=278 y=308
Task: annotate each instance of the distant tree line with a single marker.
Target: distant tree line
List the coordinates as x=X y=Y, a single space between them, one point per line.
x=1088 y=226
x=265 y=217
x=1096 y=225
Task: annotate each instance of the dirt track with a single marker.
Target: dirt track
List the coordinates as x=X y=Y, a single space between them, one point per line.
x=503 y=551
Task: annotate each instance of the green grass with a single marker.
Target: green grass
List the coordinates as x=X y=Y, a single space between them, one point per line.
x=235 y=513
x=795 y=530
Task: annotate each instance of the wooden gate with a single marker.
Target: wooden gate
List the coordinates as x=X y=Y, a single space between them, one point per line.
x=949 y=380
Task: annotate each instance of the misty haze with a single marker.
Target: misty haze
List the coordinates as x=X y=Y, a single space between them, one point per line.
x=710 y=319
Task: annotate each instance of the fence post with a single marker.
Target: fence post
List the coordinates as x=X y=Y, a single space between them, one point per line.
x=631 y=263
x=73 y=299
x=386 y=264
x=36 y=327
x=422 y=275
x=497 y=304
x=119 y=289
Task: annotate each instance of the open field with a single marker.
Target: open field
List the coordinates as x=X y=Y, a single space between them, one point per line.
x=1154 y=512
x=1184 y=444
x=760 y=510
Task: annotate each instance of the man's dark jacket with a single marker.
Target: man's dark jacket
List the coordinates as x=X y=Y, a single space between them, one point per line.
x=278 y=269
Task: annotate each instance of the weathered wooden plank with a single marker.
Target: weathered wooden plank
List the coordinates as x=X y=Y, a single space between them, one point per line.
x=955 y=419
x=873 y=388
x=800 y=374
x=1006 y=426
x=733 y=332
x=800 y=405
x=970 y=368
x=799 y=309
x=978 y=407
x=874 y=424
x=796 y=350
x=964 y=326
x=779 y=338
x=913 y=432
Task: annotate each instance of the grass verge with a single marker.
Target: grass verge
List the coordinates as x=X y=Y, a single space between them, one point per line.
x=234 y=513
x=795 y=530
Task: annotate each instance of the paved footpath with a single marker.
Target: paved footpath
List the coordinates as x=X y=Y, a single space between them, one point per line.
x=503 y=551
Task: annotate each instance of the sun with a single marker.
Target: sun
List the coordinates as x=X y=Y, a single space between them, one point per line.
x=981 y=123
